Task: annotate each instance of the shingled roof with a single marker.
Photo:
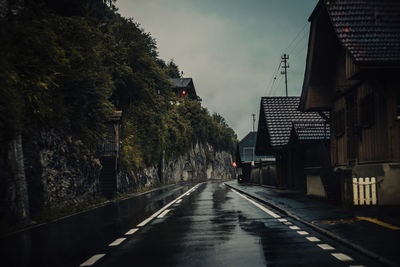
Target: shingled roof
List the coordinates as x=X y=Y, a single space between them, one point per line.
x=306 y=131
x=277 y=116
x=368 y=29
x=181 y=82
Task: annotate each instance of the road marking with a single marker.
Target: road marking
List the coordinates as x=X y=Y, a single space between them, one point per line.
x=132 y=231
x=341 y=256
x=282 y=220
x=356 y=266
x=325 y=246
x=312 y=239
x=179 y=201
x=258 y=205
x=294 y=227
x=93 y=260
x=117 y=242
x=287 y=223
x=143 y=223
x=163 y=214
x=302 y=233
x=378 y=222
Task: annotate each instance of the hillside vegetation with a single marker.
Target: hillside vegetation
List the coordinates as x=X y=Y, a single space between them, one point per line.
x=69 y=64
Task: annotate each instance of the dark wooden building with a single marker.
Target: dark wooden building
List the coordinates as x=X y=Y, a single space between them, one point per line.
x=276 y=120
x=184 y=87
x=309 y=148
x=352 y=71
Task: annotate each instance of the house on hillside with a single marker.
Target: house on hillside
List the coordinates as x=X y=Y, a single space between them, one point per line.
x=279 y=119
x=352 y=71
x=184 y=87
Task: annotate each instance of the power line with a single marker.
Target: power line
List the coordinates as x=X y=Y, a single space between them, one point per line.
x=297 y=35
x=299 y=42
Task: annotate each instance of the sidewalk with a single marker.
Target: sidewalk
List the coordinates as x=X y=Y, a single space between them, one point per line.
x=364 y=228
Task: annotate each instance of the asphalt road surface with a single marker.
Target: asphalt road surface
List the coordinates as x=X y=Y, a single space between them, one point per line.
x=206 y=224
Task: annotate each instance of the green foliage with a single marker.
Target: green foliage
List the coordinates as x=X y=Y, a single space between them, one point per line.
x=69 y=64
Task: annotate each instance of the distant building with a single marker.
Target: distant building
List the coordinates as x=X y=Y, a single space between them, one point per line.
x=352 y=71
x=184 y=87
x=247 y=147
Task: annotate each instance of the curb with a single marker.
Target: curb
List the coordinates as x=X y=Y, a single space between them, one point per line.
x=321 y=230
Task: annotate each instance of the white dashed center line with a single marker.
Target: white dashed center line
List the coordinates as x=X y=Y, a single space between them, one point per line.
x=341 y=256
x=294 y=227
x=132 y=231
x=302 y=233
x=312 y=239
x=179 y=201
x=282 y=220
x=325 y=247
x=287 y=223
x=93 y=260
x=164 y=208
x=117 y=242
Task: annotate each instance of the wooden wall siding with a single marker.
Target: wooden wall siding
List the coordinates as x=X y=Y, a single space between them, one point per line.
x=318 y=97
x=338 y=144
x=351 y=68
x=374 y=140
x=392 y=93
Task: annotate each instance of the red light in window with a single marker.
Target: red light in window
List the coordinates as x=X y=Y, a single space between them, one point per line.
x=234 y=164
x=183 y=93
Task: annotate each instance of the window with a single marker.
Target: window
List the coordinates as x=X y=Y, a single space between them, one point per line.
x=367 y=111
x=248 y=154
x=338 y=122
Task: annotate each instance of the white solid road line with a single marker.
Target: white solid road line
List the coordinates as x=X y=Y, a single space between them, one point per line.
x=132 y=231
x=93 y=260
x=312 y=239
x=117 y=242
x=163 y=214
x=325 y=246
x=179 y=201
x=302 y=233
x=143 y=223
x=294 y=227
x=341 y=256
x=258 y=205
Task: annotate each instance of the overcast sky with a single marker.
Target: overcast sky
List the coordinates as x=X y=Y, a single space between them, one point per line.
x=231 y=48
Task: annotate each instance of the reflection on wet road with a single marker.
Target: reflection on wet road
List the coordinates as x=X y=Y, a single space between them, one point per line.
x=215 y=226
x=207 y=224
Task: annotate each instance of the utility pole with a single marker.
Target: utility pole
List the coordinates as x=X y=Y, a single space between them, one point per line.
x=285 y=66
x=254 y=120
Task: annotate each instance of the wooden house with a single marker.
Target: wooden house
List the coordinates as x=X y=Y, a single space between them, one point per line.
x=184 y=87
x=277 y=117
x=352 y=71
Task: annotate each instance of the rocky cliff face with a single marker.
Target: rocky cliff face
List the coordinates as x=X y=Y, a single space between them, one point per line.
x=62 y=171
x=201 y=162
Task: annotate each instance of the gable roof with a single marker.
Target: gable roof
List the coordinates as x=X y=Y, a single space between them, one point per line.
x=368 y=29
x=249 y=139
x=181 y=82
x=310 y=131
x=277 y=115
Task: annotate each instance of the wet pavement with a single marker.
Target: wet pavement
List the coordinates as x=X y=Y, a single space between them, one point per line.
x=209 y=225
x=344 y=222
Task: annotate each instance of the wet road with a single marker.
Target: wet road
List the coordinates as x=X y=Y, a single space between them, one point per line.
x=210 y=225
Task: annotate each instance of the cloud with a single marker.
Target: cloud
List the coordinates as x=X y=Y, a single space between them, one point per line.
x=231 y=49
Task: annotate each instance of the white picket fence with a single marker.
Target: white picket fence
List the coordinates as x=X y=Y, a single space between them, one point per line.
x=364 y=191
